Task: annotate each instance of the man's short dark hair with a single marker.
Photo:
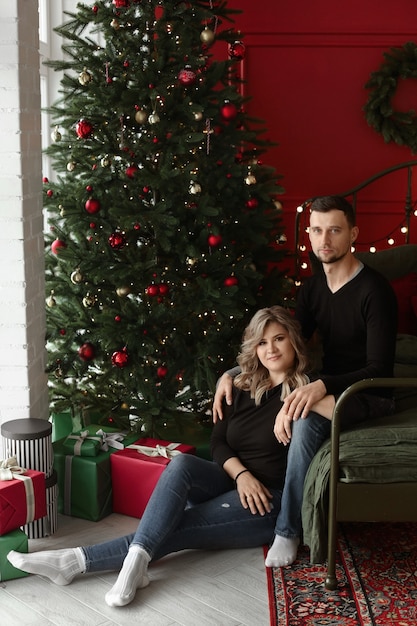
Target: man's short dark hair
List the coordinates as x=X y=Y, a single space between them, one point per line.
x=324 y=204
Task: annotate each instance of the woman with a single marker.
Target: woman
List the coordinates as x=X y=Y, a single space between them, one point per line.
x=231 y=502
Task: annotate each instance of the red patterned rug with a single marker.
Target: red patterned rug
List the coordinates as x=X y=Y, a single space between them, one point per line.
x=377 y=581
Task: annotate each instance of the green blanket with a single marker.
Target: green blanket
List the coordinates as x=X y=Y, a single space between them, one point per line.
x=384 y=450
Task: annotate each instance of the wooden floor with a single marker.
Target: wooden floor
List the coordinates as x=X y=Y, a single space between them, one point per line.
x=225 y=588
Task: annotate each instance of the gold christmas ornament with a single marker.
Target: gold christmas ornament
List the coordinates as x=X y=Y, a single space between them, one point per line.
x=198 y=116
x=51 y=302
x=105 y=161
x=207 y=36
x=153 y=118
x=141 y=116
x=89 y=301
x=115 y=24
x=85 y=77
x=250 y=179
x=123 y=291
x=76 y=276
x=195 y=188
x=56 y=135
x=71 y=166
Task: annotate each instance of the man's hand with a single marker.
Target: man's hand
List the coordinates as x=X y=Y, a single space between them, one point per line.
x=224 y=390
x=253 y=494
x=301 y=401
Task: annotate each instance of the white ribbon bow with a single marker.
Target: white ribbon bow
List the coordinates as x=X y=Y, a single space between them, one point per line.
x=111 y=440
x=167 y=452
x=80 y=439
x=9 y=467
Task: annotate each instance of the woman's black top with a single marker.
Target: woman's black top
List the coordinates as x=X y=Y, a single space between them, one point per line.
x=246 y=431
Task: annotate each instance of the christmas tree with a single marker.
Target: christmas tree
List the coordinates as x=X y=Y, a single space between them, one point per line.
x=164 y=221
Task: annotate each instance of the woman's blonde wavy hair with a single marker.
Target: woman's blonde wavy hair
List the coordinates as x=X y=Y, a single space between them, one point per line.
x=254 y=376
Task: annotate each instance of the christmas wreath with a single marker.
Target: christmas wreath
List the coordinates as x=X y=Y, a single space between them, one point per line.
x=397 y=126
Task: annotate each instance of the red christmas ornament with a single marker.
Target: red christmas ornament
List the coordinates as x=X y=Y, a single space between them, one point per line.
x=252 y=203
x=50 y=193
x=89 y=188
x=117 y=318
x=86 y=352
x=162 y=371
x=45 y=179
x=120 y=358
x=117 y=241
x=237 y=50
x=84 y=129
x=214 y=240
x=131 y=171
x=92 y=206
x=228 y=111
x=230 y=281
x=57 y=245
x=163 y=289
x=62 y=332
x=187 y=77
x=119 y=4
x=152 y=290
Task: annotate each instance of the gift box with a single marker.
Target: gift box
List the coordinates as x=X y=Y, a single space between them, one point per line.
x=84 y=483
x=136 y=470
x=30 y=441
x=15 y=540
x=22 y=498
x=89 y=442
x=62 y=425
x=45 y=526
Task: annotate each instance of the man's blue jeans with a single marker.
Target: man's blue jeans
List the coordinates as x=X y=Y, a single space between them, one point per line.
x=194 y=505
x=307 y=436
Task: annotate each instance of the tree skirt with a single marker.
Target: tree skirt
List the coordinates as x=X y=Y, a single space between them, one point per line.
x=376 y=574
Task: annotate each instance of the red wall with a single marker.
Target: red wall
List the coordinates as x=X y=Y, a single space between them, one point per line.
x=306 y=65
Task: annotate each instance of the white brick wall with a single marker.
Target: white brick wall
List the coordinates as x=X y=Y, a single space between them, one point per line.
x=23 y=382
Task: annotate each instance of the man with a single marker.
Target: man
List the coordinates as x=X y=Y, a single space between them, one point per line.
x=354 y=311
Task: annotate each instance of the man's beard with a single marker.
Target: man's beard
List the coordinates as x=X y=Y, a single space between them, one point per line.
x=333 y=259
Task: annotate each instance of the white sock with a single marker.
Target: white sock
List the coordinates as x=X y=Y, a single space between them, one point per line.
x=60 y=566
x=282 y=552
x=132 y=576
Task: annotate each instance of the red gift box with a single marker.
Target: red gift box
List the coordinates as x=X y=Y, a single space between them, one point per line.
x=22 y=500
x=135 y=474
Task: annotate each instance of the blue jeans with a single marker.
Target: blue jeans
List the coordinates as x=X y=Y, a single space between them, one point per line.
x=307 y=436
x=194 y=506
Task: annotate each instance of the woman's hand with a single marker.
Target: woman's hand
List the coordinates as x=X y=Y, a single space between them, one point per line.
x=224 y=390
x=253 y=494
x=282 y=426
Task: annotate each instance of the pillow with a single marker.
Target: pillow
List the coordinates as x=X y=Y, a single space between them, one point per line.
x=392 y=262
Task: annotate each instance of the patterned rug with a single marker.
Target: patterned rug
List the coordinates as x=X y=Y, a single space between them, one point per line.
x=377 y=581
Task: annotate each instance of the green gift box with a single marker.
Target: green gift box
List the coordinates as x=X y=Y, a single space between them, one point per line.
x=15 y=540
x=84 y=483
x=62 y=425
